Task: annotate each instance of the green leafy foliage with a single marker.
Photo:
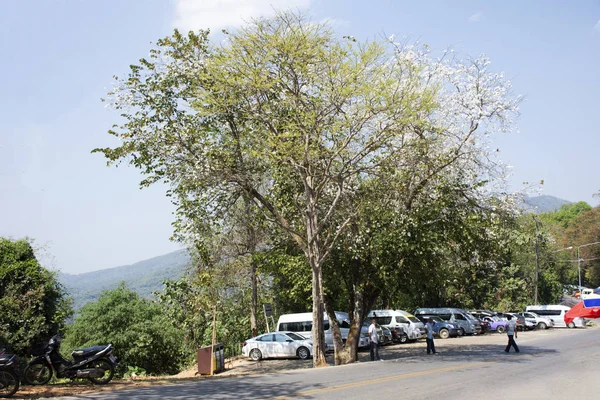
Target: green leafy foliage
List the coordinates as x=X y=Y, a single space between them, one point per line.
x=585 y=230
x=568 y=213
x=222 y=288
x=370 y=158
x=33 y=304
x=142 y=334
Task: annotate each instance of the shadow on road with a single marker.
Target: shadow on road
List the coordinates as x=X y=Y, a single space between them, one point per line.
x=226 y=388
x=470 y=353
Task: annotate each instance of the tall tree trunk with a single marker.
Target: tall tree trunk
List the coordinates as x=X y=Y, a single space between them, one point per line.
x=314 y=258
x=254 y=301
x=318 y=333
x=251 y=249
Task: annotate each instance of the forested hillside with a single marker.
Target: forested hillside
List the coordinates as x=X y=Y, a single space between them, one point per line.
x=543 y=204
x=143 y=277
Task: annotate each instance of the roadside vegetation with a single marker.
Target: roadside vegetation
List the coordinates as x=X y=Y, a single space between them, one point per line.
x=311 y=172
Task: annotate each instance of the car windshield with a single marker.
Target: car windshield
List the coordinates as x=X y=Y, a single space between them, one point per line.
x=471 y=317
x=411 y=317
x=295 y=336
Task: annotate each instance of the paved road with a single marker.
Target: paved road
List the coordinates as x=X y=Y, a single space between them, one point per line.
x=553 y=364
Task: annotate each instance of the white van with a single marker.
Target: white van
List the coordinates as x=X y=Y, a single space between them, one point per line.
x=589 y=294
x=301 y=323
x=401 y=320
x=556 y=313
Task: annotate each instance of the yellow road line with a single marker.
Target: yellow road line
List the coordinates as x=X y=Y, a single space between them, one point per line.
x=382 y=380
x=585 y=344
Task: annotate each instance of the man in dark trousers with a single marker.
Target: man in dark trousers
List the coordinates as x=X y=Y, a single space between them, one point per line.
x=429 y=339
x=511 y=331
x=374 y=341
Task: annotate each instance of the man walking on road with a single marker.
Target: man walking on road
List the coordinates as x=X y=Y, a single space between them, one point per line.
x=511 y=331
x=429 y=329
x=374 y=341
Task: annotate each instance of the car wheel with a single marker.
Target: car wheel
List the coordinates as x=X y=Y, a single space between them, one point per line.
x=303 y=353
x=444 y=333
x=571 y=325
x=403 y=338
x=542 y=325
x=461 y=332
x=255 y=354
x=500 y=329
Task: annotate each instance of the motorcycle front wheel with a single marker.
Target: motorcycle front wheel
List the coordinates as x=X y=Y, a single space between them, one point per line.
x=109 y=371
x=9 y=383
x=38 y=373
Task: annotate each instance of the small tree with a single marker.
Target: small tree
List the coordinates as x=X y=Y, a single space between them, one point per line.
x=33 y=304
x=142 y=335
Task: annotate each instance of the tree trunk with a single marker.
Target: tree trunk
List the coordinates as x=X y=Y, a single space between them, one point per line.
x=338 y=343
x=251 y=249
x=254 y=301
x=313 y=251
x=318 y=333
x=348 y=353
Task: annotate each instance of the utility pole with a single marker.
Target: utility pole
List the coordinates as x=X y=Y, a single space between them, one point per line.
x=537 y=257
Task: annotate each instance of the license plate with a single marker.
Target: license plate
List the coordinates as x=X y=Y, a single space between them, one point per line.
x=112 y=359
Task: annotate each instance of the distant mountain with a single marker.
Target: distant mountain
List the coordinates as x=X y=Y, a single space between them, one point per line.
x=144 y=277
x=542 y=204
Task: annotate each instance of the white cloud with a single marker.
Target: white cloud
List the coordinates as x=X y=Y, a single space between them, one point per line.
x=219 y=14
x=338 y=23
x=476 y=17
x=597 y=26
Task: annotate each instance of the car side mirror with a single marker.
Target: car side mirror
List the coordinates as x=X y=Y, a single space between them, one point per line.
x=289 y=340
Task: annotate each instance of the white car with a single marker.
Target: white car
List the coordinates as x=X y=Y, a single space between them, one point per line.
x=277 y=345
x=540 y=322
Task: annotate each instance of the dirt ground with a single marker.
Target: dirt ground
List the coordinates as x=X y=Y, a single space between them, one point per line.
x=240 y=366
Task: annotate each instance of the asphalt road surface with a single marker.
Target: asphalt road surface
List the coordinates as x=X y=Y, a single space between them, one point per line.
x=552 y=364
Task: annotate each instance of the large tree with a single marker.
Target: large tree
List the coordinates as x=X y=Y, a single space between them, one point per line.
x=294 y=118
x=33 y=303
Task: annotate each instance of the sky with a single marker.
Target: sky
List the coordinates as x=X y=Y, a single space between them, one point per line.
x=59 y=56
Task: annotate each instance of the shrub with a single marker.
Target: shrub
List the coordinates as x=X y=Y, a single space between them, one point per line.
x=141 y=333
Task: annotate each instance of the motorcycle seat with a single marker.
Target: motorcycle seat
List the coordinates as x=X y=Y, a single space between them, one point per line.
x=4 y=358
x=88 y=351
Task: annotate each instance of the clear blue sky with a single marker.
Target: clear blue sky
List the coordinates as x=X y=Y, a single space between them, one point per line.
x=58 y=58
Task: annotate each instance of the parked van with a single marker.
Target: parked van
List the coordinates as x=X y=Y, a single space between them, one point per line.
x=467 y=324
x=589 y=294
x=556 y=313
x=406 y=325
x=301 y=323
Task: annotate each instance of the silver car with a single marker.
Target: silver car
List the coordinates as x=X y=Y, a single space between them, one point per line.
x=277 y=345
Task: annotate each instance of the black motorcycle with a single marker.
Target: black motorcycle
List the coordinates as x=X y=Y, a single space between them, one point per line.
x=9 y=379
x=94 y=363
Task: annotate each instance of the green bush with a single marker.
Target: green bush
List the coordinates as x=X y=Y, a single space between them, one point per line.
x=142 y=335
x=33 y=304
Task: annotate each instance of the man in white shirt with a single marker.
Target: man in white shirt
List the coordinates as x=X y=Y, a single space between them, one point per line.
x=511 y=331
x=374 y=341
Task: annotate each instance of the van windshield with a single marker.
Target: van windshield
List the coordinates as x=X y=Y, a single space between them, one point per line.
x=383 y=320
x=413 y=319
